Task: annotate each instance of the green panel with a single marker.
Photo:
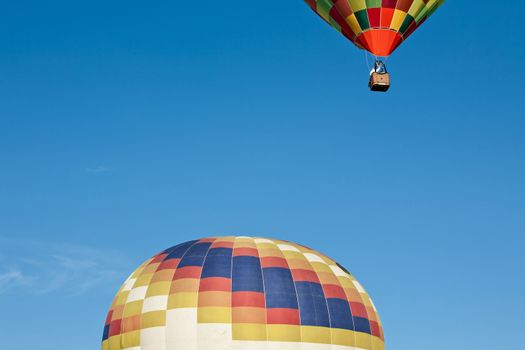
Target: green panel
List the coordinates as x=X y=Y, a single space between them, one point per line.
x=373 y=3
x=406 y=23
x=421 y=15
x=323 y=8
x=334 y=24
x=362 y=18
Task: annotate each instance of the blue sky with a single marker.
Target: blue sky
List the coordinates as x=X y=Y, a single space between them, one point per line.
x=127 y=127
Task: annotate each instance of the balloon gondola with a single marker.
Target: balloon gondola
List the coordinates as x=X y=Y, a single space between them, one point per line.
x=377 y=26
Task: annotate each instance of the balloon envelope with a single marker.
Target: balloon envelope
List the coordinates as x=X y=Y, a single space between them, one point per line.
x=241 y=293
x=378 y=26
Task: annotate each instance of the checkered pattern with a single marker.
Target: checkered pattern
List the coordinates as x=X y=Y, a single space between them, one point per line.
x=378 y=26
x=241 y=293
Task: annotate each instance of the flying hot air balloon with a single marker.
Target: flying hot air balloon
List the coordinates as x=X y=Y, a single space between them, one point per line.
x=377 y=26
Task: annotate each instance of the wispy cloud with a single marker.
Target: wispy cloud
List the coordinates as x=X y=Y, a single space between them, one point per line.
x=45 y=268
x=11 y=278
x=99 y=169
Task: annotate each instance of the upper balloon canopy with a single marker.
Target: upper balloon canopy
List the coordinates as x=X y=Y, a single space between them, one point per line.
x=378 y=26
x=242 y=293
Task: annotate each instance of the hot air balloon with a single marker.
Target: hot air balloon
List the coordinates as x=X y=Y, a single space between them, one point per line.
x=377 y=26
x=241 y=293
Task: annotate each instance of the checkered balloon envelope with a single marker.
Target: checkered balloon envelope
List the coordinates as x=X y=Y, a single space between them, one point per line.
x=242 y=293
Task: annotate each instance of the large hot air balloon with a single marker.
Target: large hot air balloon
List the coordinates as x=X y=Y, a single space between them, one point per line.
x=242 y=293
x=377 y=26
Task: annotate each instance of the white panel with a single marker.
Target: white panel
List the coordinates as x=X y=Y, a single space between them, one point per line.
x=153 y=338
x=285 y=247
x=262 y=240
x=313 y=257
x=216 y=336
x=249 y=345
x=128 y=284
x=181 y=329
x=138 y=293
x=338 y=271
x=155 y=303
x=277 y=345
x=133 y=348
x=359 y=287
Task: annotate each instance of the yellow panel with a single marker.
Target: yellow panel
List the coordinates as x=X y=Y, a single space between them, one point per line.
x=214 y=315
x=143 y=280
x=153 y=319
x=345 y=282
x=271 y=252
x=357 y=5
x=122 y=297
x=279 y=332
x=343 y=337
x=130 y=339
x=105 y=345
x=114 y=342
x=363 y=340
x=133 y=308
x=150 y=269
x=377 y=344
x=158 y=288
x=416 y=7
x=352 y=22
x=249 y=331
x=321 y=267
x=312 y=334
x=397 y=20
x=180 y=300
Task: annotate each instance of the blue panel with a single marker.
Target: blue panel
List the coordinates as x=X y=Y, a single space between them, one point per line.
x=105 y=333
x=195 y=255
x=247 y=274
x=340 y=315
x=218 y=263
x=312 y=304
x=220 y=251
x=178 y=251
x=362 y=325
x=279 y=288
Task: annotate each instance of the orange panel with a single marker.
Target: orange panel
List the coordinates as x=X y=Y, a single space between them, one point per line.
x=380 y=42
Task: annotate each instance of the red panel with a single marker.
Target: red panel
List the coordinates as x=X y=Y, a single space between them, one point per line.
x=374 y=17
x=333 y=291
x=114 y=328
x=169 y=264
x=374 y=327
x=282 y=316
x=245 y=252
x=254 y=299
x=386 y=17
x=300 y=275
x=188 y=272
x=219 y=284
x=274 y=262
x=358 y=310
x=391 y=4
x=108 y=318
x=158 y=258
x=343 y=7
x=222 y=245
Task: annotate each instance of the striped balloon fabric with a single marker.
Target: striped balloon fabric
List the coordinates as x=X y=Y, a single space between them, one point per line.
x=241 y=293
x=378 y=26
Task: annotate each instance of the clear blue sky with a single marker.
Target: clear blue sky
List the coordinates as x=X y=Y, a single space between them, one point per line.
x=127 y=126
